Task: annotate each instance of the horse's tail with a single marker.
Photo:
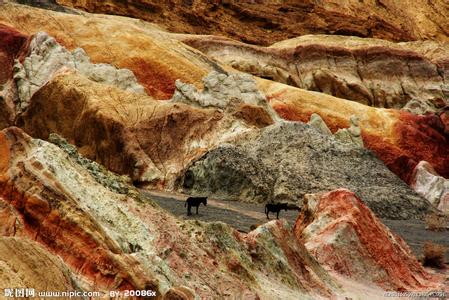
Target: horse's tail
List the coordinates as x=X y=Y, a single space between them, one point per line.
x=185 y=203
x=266 y=208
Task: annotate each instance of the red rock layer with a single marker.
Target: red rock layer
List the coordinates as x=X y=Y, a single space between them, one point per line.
x=155 y=60
x=400 y=139
x=345 y=236
x=11 y=42
x=416 y=138
x=45 y=212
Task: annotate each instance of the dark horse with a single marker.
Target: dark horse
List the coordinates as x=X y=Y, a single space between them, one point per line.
x=194 y=201
x=276 y=208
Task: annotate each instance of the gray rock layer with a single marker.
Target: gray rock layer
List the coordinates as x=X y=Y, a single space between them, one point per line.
x=285 y=161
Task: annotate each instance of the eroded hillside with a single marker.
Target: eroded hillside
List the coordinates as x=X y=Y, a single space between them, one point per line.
x=350 y=128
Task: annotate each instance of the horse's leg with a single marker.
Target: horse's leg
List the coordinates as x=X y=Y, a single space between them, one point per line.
x=197 y=209
x=277 y=214
x=189 y=209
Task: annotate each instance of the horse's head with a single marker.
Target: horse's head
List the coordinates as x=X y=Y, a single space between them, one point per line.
x=205 y=201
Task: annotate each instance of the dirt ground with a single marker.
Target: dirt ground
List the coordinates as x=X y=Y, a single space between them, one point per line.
x=242 y=215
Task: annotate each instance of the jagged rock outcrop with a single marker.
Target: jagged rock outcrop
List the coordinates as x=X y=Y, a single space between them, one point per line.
x=372 y=72
x=266 y=21
x=45 y=57
x=431 y=186
x=224 y=91
x=56 y=203
x=398 y=138
x=285 y=161
x=346 y=237
x=109 y=241
x=382 y=130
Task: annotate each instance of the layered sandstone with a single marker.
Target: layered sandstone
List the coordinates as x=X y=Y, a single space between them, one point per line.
x=45 y=56
x=133 y=45
x=264 y=21
x=149 y=140
x=370 y=71
x=345 y=237
x=26 y=264
x=109 y=241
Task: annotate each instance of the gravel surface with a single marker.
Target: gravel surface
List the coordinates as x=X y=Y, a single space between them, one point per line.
x=242 y=215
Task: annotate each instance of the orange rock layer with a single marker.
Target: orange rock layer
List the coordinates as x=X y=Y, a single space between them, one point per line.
x=265 y=21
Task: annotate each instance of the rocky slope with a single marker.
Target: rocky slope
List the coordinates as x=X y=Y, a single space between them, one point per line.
x=137 y=100
x=345 y=237
x=400 y=139
x=285 y=161
x=110 y=241
x=134 y=45
x=264 y=21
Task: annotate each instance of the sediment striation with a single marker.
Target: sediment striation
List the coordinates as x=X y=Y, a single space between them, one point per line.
x=102 y=104
x=369 y=71
x=265 y=22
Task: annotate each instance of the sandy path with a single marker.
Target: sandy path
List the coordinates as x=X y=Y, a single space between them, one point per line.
x=242 y=215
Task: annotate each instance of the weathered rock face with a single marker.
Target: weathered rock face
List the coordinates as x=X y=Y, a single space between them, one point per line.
x=264 y=22
x=11 y=43
x=372 y=72
x=224 y=91
x=431 y=186
x=379 y=128
x=110 y=241
x=151 y=141
x=45 y=56
x=155 y=60
x=287 y=160
x=345 y=236
x=56 y=203
x=398 y=138
x=25 y=263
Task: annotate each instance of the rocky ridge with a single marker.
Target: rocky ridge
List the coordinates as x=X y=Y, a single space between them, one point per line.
x=46 y=56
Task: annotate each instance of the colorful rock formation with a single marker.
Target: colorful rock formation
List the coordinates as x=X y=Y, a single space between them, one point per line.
x=109 y=241
x=400 y=139
x=95 y=95
x=372 y=72
x=345 y=237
